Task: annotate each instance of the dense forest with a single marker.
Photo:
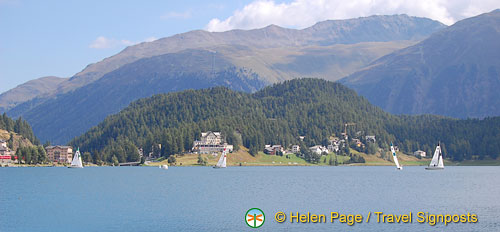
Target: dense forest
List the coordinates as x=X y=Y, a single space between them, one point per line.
x=279 y=114
x=25 y=151
x=18 y=126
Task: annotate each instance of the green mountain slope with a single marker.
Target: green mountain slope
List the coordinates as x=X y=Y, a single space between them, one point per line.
x=19 y=127
x=279 y=114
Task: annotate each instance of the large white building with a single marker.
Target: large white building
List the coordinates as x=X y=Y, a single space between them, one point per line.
x=318 y=149
x=209 y=138
x=60 y=154
x=420 y=153
x=211 y=142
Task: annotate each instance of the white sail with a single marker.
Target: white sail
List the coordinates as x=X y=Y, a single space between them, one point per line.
x=399 y=167
x=437 y=159
x=77 y=160
x=440 y=163
x=222 y=160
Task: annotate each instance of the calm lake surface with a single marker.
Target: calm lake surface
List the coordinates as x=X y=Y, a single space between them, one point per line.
x=207 y=199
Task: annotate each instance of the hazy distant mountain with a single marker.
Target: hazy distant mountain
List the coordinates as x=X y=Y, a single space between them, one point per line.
x=239 y=59
x=29 y=90
x=71 y=114
x=350 y=31
x=284 y=45
x=193 y=68
x=455 y=72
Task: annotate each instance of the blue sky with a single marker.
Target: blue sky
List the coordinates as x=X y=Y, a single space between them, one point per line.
x=42 y=38
x=60 y=38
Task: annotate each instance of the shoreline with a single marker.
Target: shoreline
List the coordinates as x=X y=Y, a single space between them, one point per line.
x=262 y=165
x=243 y=158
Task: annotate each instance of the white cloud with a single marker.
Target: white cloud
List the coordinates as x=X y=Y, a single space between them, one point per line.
x=177 y=15
x=102 y=42
x=304 y=13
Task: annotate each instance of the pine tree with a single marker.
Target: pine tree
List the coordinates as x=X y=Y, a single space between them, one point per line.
x=114 y=160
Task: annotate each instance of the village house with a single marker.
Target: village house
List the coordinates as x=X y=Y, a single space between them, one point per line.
x=5 y=153
x=333 y=148
x=370 y=138
x=358 y=142
x=295 y=149
x=318 y=149
x=334 y=145
x=155 y=151
x=59 y=154
x=335 y=140
x=3 y=150
x=274 y=149
x=419 y=153
x=210 y=142
x=344 y=135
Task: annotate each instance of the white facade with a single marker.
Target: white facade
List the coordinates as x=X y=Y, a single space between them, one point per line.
x=3 y=143
x=211 y=137
x=318 y=149
x=419 y=152
x=370 y=138
x=211 y=142
x=333 y=148
x=295 y=149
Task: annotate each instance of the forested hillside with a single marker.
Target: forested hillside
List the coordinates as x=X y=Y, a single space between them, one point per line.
x=278 y=114
x=18 y=126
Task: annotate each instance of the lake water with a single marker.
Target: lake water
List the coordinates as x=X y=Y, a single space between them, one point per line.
x=207 y=199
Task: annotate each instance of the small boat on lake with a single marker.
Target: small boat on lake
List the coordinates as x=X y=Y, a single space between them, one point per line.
x=398 y=167
x=437 y=160
x=77 y=160
x=163 y=166
x=222 y=160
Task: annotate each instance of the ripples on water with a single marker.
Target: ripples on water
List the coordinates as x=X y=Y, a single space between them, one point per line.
x=207 y=199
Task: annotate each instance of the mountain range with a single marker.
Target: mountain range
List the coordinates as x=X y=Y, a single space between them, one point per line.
x=245 y=60
x=454 y=72
x=25 y=92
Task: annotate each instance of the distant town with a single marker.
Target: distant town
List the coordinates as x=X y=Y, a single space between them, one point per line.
x=213 y=142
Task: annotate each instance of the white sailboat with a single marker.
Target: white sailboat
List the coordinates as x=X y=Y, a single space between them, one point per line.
x=437 y=160
x=399 y=167
x=77 y=160
x=222 y=160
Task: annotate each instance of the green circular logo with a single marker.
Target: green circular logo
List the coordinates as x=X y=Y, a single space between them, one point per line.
x=255 y=217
